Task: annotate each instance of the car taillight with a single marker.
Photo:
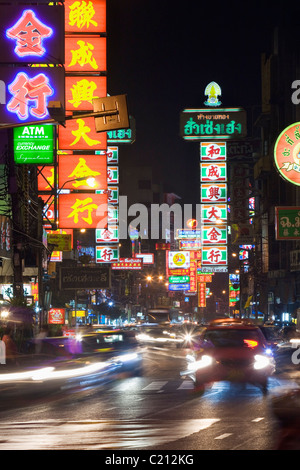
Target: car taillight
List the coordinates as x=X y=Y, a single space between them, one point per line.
x=251 y=343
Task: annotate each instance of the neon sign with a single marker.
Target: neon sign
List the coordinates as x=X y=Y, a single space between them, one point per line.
x=29 y=33
x=32 y=34
x=29 y=96
x=287 y=153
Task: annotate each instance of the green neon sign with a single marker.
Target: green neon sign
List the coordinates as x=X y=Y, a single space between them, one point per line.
x=33 y=144
x=179 y=279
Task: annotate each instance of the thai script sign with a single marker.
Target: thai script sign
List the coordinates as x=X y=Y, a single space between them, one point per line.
x=287 y=153
x=84 y=278
x=226 y=123
x=128 y=263
x=287 y=223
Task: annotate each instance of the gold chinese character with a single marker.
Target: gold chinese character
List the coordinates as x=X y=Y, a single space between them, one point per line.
x=82 y=131
x=83 y=55
x=82 y=14
x=82 y=170
x=83 y=91
x=81 y=206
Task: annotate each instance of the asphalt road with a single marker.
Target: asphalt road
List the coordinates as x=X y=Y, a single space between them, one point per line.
x=156 y=411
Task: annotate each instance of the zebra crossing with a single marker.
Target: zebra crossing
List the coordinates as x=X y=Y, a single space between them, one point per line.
x=144 y=384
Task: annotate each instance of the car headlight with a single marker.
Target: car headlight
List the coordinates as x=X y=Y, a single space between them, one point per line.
x=261 y=362
x=194 y=365
x=128 y=357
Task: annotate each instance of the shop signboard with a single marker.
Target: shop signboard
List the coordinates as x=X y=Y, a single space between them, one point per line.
x=179 y=259
x=287 y=223
x=210 y=172
x=212 y=213
x=108 y=234
x=287 y=154
x=33 y=34
x=72 y=168
x=84 y=278
x=214 y=234
x=81 y=90
x=82 y=210
x=85 y=17
x=56 y=316
x=214 y=255
x=26 y=91
x=107 y=253
x=220 y=124
x=215 y=151
x=85 y=54
x=213 y=192
x=128 y=264
x=33 y=144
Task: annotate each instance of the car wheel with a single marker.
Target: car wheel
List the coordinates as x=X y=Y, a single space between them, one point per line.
x=264 y=387
x=199 y=387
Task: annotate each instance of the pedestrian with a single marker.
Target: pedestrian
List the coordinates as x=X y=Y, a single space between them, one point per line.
x=39 y=340
x=11 y=351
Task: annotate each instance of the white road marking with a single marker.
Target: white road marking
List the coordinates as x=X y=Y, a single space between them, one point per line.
x=223 y=436
x=96 y=434
x=156 y=385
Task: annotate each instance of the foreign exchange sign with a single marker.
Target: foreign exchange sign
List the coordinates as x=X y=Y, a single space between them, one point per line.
x=224 y=123
x=33 y=144
x=287 y=223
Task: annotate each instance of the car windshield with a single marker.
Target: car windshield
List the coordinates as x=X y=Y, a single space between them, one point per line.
x=106 y=341
x=232 y=338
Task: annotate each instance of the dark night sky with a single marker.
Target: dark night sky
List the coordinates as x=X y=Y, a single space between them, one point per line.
x=162 y=54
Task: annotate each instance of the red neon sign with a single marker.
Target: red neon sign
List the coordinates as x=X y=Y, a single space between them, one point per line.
x=85 y=17
x=85 y=54
x=80 y=92
x=82 y=210
x=80 y=134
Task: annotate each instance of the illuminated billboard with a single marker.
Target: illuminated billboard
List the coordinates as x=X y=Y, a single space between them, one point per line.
x=85 y=17
x=33 y=144
x=80 y=134
x=32 y=34
x=287 y=154
x=25 y=93
x=73 y=167
x=82 y=210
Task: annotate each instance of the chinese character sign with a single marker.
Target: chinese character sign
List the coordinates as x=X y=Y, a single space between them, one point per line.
x=32 y=35
x=28 y=91
x=85 y=16
x=81 y=91
x=85 y=54
x=72 y=169
x=80 y=134
x=82 y=210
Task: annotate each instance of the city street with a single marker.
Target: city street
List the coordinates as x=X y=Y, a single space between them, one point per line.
x=156 y=411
